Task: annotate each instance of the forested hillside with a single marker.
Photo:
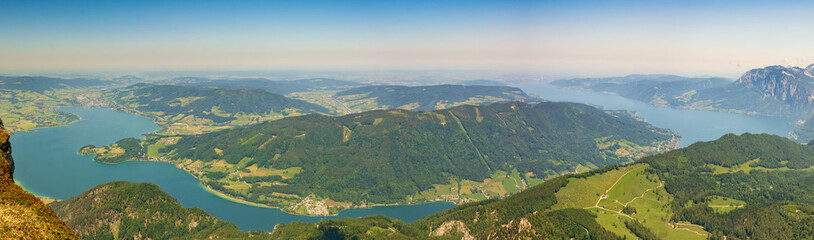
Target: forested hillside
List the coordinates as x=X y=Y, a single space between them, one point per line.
x=428 y=98
x=184 y=110
x=768 y=182
x=737 y=187
x=125 y=210
x=397 y=156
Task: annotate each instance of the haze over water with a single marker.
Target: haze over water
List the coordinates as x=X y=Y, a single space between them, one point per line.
x=691 y=124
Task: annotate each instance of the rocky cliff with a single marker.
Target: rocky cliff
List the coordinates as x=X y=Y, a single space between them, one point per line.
x=5 y=148
x=22 y=215
x=793 y=86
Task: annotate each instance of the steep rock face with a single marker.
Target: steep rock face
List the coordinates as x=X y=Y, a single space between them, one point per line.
x=5 y=148
x=22 y=215
x=790 y=86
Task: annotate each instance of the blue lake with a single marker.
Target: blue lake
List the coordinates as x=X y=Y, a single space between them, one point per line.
x=47 y=164
x=691 y=124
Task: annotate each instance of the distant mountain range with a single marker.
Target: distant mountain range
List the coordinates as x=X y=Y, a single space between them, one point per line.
x=278 y=87
x=482 y=83
x=41 y=84
x=773 y=90
x=343 y=97
x=428 y=98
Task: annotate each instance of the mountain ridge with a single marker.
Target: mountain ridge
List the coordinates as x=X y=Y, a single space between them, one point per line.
x=418 y=156
x=192 y=109
x=122 y=210
x=428 y=98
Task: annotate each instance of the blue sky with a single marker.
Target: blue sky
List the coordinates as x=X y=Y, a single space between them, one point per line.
x=579 y=38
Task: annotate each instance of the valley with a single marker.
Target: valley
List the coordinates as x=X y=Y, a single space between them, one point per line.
x=496 y=184
x=447 y=120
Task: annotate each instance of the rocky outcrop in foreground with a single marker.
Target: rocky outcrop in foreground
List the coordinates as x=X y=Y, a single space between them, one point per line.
x=22 y=215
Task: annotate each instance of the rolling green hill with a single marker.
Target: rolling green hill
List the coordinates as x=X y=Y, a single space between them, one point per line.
x=125 y=210
x=428 y=98
x=30 y=102
x=184 y=110
x=318 y=164
x=752 y=186
x=42 y=84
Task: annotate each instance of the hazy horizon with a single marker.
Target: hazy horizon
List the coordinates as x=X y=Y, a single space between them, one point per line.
x=546 y=38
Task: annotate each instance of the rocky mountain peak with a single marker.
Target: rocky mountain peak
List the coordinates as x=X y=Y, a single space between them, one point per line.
x=792 y=85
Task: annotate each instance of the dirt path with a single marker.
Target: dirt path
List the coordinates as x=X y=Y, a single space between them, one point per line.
x=613 y=211
x=605 y=195
x=675 y=226
x=516 y=184
x=661 y=184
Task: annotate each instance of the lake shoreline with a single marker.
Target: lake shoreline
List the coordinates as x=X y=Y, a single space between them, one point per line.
x=254 y=204
x=49 y=166
x=721 y=110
